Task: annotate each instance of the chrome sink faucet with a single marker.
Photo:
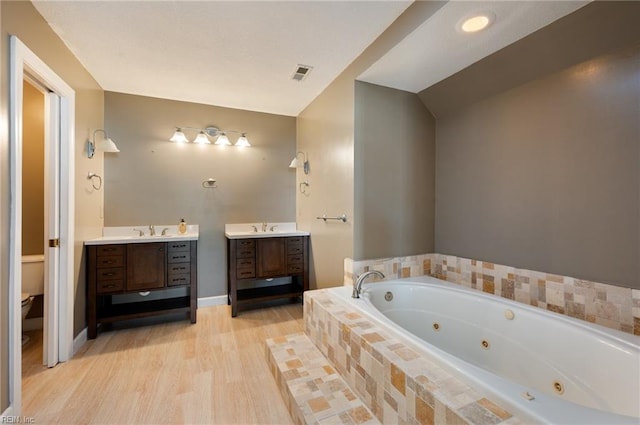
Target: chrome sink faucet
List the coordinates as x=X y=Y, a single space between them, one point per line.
x=357 y=288
x=264 y=226
x=152 y=230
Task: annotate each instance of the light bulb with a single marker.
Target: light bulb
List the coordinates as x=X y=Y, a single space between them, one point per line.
x=223 y=140
x=202 y=139
x=243 y=142
x=179 y=137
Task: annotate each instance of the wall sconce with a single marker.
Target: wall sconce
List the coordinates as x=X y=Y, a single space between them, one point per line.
x=296 y=164
x=105 y=145
x=204 y=135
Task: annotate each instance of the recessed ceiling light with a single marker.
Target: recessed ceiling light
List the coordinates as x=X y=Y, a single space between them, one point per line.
x=477 y=22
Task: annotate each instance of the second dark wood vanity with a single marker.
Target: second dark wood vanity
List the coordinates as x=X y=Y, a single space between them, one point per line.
x=254 y=262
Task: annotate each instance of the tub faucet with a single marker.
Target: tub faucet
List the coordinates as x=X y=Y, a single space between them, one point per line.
x=152 y=230
x=357 y=288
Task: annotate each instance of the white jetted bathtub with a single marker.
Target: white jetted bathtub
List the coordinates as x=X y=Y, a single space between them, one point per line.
x=545 y=366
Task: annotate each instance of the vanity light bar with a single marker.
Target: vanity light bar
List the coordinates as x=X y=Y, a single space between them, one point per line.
x=206 y=134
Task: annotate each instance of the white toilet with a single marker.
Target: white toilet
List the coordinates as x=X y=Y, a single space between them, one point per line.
x=32 y=284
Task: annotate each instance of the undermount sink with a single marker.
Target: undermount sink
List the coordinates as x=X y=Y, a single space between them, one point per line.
x=130 y=234
x=254 y=230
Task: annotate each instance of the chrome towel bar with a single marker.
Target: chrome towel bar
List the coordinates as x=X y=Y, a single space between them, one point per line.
x=324 y=217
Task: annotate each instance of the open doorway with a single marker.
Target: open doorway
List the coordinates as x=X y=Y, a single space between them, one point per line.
x=33 y=225
x=58 y=239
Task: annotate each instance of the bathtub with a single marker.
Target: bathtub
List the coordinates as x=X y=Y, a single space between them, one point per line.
x=546 y=367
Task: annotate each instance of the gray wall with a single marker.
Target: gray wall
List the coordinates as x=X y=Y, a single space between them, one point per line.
x=394 y=173
x=546 y=176
x=154 y=181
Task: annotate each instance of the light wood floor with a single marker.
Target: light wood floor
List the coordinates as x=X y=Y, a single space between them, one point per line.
x=213 y=372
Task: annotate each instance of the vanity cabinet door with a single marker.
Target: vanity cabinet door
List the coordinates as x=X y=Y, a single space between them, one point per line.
x=271 y=257
x=146 y=266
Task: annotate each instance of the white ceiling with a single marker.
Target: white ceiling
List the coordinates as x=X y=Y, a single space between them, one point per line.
x=438 y=49
x=242 y=54
x=238 y=54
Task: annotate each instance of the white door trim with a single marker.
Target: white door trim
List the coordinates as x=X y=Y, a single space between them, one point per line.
x=23 y=59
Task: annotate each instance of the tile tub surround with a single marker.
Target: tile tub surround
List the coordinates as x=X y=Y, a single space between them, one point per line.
x=396 y=383
x=606 y=305
x=312 y=390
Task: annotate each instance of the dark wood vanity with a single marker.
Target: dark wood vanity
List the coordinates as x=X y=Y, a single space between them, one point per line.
x=253 y=263
x=129 y=268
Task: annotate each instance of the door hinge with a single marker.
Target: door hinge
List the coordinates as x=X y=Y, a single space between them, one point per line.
x=54 y=243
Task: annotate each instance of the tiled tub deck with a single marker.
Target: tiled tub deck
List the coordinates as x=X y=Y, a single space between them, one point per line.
x=391 y=379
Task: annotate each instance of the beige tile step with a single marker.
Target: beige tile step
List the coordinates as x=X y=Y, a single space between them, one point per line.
x=311 y=388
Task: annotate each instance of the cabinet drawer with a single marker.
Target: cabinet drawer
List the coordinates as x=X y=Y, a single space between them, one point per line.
x=179 y=279
x=246 y=263
x=245 y=252
x=178 y=268
x=294 y=249
x=295 y=268
x=295 y=240
x=110 y=274
x=110 y=286
x=245 y=243
x=178 y=257
x=245 y=273
x=295 y=259
x=178 y=246
x=102 y=250
x=110 y=261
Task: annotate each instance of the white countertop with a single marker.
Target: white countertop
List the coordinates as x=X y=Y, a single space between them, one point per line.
x=127 y=234
x=272 y=230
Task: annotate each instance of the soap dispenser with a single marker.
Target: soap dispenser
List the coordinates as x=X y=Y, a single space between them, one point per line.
x=182 y=227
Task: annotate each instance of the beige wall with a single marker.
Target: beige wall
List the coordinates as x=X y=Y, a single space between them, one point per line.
x=153 y=181
x=326 y=133
x=546 y=176
x=32 y=170
x=21 y=19
x=394 y=173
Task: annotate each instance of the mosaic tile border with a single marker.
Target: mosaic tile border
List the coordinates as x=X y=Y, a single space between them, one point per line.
x=312 y=390
x=391 y=378
x=606 y=305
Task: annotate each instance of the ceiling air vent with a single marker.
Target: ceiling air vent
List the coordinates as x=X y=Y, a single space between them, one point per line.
x=301 y=72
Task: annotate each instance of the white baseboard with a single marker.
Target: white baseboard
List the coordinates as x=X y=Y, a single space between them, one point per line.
x=79 y=341
x=8 y=412
x=211 y=301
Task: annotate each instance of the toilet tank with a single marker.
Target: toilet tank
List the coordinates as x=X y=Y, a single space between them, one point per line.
x=33 y=274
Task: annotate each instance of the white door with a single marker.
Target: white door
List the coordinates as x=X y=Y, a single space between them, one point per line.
x=51 y=230
x=60 y=345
